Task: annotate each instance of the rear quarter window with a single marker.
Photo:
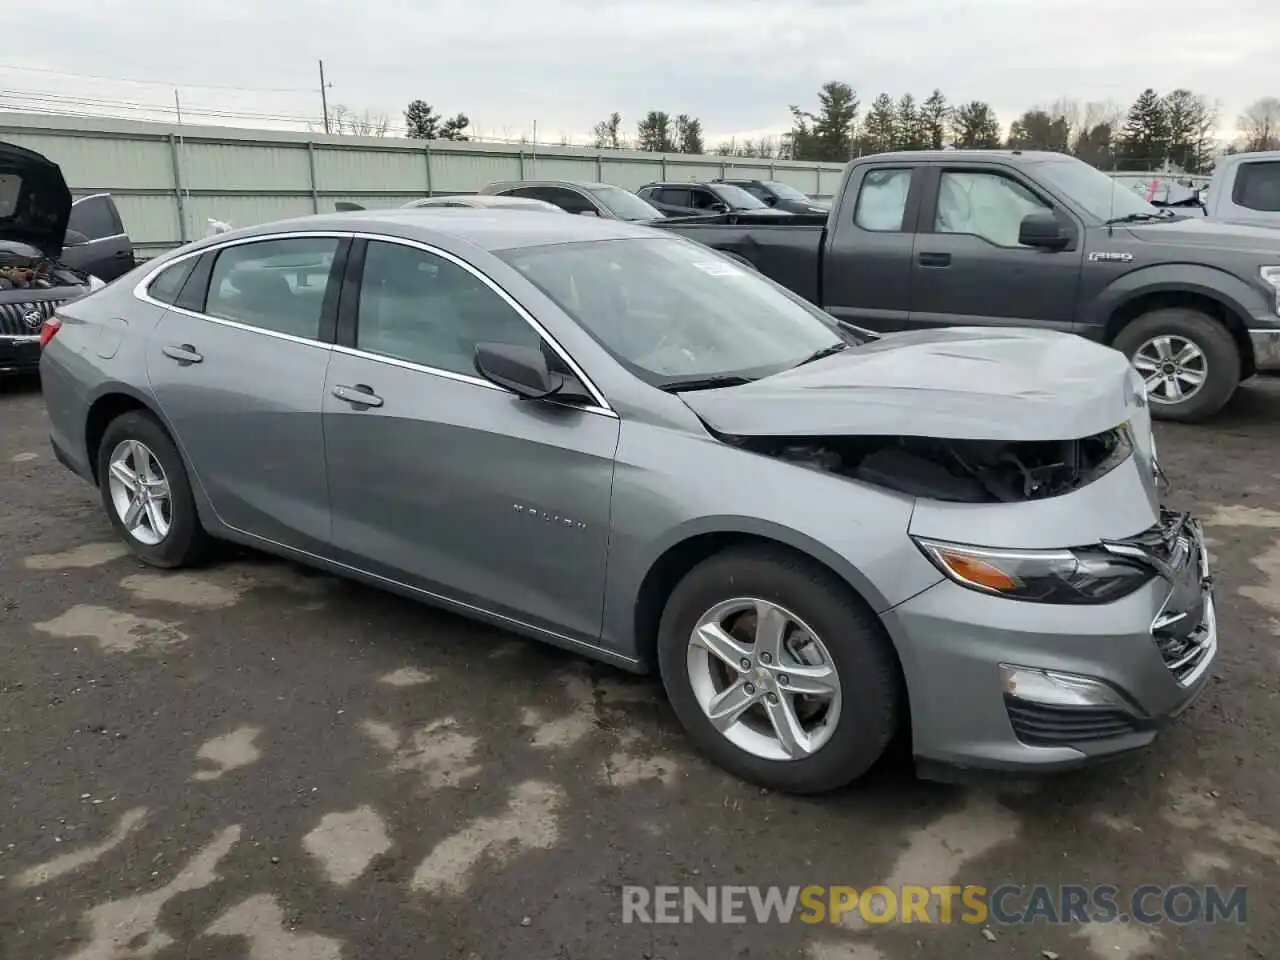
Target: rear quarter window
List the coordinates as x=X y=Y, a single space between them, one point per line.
x=1257 y=186
x=168 y=283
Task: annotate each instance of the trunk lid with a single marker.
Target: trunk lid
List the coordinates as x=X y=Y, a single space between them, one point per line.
x=957 y=383
x=35 y=204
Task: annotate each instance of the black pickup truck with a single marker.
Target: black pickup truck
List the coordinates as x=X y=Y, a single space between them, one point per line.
x=1010 y=238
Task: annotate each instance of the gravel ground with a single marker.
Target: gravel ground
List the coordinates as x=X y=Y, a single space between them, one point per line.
x=256 y=761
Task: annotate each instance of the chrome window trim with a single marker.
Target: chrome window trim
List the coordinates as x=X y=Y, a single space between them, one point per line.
x=140 y=291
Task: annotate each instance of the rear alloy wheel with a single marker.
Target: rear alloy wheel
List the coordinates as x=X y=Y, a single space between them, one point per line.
x=778 y=671
x=146 y=493
x=1188 y=360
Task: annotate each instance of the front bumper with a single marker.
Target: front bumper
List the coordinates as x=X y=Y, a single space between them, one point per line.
x=1021 y=688
x=1266 y=349
x=19 y=354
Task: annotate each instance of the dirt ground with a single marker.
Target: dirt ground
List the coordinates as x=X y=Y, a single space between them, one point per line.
x=254 y=761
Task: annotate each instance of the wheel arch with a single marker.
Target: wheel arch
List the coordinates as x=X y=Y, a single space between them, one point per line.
x=1209 y=291
x=111 y=402
x=694 y=546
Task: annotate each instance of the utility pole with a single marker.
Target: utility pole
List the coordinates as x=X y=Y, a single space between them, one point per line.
x=324 y=98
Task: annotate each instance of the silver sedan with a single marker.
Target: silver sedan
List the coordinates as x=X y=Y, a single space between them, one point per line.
x=615 y=440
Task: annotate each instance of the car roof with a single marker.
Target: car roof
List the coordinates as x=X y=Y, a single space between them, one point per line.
x=487 y=228
x=576 y=184
x=951 y=156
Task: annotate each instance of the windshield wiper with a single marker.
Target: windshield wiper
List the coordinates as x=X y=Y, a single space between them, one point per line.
x=703 y=383
x=830 y=351
x=1141 y=218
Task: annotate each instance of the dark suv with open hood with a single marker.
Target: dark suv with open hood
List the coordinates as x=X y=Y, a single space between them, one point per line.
x=35 y=209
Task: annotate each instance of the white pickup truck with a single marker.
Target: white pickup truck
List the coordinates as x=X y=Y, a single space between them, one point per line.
x=1245 y=189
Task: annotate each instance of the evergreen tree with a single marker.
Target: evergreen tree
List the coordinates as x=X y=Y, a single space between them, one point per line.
x=689 y=134
x=879 y=129
x=906 y=127
x=976 y=127
x=653 y=133
x=934 y=117
x=1144 y=145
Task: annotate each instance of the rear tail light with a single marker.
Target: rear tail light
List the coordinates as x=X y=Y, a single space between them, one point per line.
x=49 y=330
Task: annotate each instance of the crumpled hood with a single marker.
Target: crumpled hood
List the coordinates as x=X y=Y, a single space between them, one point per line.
x=35 y=204
x=958 y=383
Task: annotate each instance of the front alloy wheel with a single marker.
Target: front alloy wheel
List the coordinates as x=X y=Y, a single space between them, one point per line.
x=1173 y=367
x=778 y=671
x=764 y=679
x=140 y=492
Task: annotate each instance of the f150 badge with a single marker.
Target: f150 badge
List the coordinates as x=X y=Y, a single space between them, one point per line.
x=1109 y=257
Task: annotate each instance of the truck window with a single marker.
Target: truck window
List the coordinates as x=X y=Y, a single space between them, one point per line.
x=95 y=218
x=1257 y=186
x=987 y=205
x=882 y=200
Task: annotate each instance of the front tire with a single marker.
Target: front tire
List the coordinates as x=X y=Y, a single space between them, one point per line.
x=147 y=494
x=1189 y=360
x=798 y=674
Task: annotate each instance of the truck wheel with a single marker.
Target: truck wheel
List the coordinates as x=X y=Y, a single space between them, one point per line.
x=1189 y=360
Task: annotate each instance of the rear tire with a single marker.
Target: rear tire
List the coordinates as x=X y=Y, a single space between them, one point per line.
x=1155 y=339
x=868 y=700
x=137 y=454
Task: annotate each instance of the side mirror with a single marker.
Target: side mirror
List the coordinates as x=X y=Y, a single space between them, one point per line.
x=1043 y=230
x=74 y=238
x=719 y=207
x=522 y=370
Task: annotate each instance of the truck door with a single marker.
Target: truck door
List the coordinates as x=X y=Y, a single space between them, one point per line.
x=866 y=265
x=969 y=269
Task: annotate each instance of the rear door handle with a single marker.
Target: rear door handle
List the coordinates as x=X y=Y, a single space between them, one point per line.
x=185 y=354
x=935 y=259
x=361 y=395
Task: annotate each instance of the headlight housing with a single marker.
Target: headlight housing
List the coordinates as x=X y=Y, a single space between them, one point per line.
x=1271 y=276
x=1080 y=575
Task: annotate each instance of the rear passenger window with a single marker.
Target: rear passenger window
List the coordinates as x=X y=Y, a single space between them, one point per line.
x=275 y=285
x=168 y=283
x=882 y=200
x=1257 y=186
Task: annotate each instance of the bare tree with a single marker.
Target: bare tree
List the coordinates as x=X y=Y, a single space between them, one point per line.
x=1260 y=124
x=345 y=122
x=1071 y=114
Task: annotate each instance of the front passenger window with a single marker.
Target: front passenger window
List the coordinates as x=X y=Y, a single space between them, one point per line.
x=422 y=308
x=986 y=205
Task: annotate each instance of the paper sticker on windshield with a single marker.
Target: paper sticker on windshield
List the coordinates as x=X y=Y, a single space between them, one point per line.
x=718 y=268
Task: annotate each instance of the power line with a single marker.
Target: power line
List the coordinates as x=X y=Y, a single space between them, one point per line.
x=156 y=83
x=48 y=98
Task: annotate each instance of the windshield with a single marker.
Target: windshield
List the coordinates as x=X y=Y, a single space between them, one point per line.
x=737 y=198
x=1099 y=195
x=786 y=191
x=672 y=310
x=624 y=204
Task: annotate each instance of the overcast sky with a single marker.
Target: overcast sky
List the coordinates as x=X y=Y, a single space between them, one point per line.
x=565 y=64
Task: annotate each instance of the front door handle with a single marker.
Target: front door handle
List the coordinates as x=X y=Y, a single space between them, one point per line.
x=185 y=354
x=361 y=395
x=935 y=259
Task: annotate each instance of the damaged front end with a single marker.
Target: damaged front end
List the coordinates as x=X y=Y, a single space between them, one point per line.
x=959 y=471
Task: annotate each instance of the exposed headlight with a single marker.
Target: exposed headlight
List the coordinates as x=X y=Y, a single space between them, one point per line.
x=1271 y=275
x=1075 y=576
